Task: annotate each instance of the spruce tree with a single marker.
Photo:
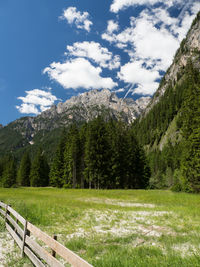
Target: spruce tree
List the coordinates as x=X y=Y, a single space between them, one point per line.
x=39 y=174
x=72 y=157
x=9 y=172
x=97 y=150
x=23 y=174
x=57 y=166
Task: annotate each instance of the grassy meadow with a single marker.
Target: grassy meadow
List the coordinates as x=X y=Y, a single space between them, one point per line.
x=115 y=228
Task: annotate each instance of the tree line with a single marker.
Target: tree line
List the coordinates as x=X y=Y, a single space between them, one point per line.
x=26 y=173
x=98 y=154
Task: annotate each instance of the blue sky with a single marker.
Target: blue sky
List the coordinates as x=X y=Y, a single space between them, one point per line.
x=51 y=50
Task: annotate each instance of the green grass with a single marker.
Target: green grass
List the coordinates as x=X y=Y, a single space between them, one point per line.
x=116 y=227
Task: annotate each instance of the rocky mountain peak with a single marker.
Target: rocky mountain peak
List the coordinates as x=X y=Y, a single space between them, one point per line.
x=107 y=99
x=83 y=107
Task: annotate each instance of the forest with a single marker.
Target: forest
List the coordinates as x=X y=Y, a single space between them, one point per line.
x=97 y=154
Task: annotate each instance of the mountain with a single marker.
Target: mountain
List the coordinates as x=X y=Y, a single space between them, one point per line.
x=169 y=129
x=189 y=49
x=44 y=128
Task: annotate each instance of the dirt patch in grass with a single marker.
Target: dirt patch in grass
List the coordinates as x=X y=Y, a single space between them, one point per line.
x=119 y=224
x=119 y=203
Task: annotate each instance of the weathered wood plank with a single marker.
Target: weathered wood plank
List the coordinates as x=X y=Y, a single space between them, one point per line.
x=17 y=215
x=64 y=252
x=33 y=258
x=23 y=239
x=3 y=213
x=3 y=205
x=16 y=226
x=14 y=235
x=42 y=253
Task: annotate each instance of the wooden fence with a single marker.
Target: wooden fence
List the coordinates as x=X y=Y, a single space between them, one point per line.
x=25 y=234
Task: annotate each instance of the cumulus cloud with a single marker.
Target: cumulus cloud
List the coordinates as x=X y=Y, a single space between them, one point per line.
x=118 y=5
x=80 y=19
x=96 y=53
x=36 y=101
x=144 y=79
x=78 y=73
x=112 y=26
x=152 y=43
x=146 y=41
x=151 y=40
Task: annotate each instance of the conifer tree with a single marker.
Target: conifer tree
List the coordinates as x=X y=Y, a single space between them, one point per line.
x=39 y=174
x=23 y=174
x=97 y=153
x=57 y=167
x=72 y=157
x=9 y=172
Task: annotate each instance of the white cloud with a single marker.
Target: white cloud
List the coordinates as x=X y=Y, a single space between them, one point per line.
x=112 y=26
x=95 y=52
x=78 y=73
x=118 y=5
x=195 y=8
x=120 y=40
x=36 y=101
x=152 y=43
x=146 y=41
x=185 y=25
x=120 y=90
x=145 y=79
x=80 y=19
x=28 y=109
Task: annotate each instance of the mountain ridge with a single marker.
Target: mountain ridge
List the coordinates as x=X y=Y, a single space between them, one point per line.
x=84 y=107
x=189 y=49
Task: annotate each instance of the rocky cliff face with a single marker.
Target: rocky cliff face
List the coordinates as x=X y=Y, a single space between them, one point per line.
x=189 y=49
x=84 y=107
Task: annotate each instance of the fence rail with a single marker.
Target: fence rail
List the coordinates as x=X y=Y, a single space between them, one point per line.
x=21 y=231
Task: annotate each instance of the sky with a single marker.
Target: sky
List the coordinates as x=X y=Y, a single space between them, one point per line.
x=51 y=50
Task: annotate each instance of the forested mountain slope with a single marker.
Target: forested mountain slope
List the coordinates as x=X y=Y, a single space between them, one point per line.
x=170 y=127
x=189 y=49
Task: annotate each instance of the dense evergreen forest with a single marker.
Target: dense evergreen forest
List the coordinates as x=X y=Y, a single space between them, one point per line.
x=97 y=155
x=177 y=163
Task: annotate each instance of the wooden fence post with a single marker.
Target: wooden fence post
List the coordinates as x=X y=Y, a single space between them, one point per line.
x=17 y=223
x=6 y=212
x=53 y=252
x=24 y=239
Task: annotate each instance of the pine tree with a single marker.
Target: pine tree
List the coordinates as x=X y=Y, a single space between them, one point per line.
x=24 y=170
x=72 y=157
x=57 y=167
x=39 y=174
x=9 y=172
x=97 y=154
x=82 y=136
